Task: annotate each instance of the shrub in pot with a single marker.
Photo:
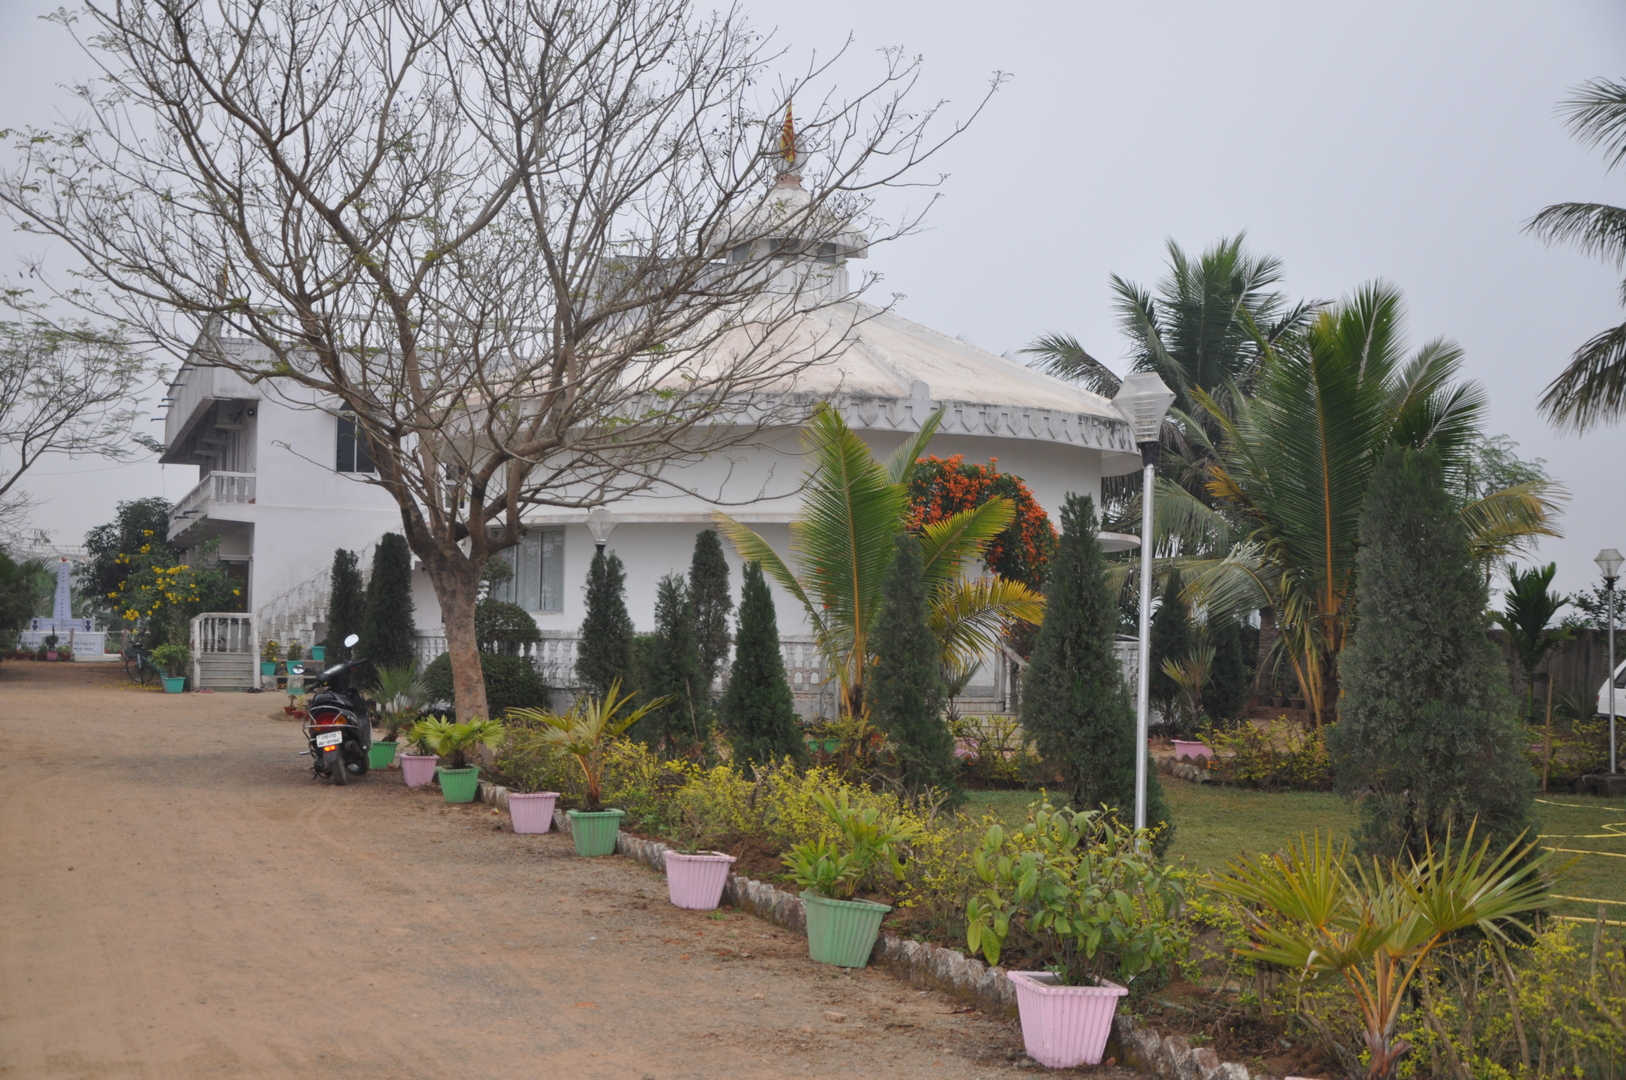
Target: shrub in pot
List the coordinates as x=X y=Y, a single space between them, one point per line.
x=270 y=650
x=418 y=767
x=1085 y=893
x=842 y=929
x=585 y=733
x=694 y=876
x=400 y=694
x=50 y=646
x=172 y=660
x=455 y=742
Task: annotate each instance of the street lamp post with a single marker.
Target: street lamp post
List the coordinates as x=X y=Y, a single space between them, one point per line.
x=1609 y=560
x=1144 y=400
x=600 y=522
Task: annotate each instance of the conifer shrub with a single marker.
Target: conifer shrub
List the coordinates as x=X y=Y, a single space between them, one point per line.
x=905 y=693
x=1229 y=676
x=1074 y=701
x=1172 y=639
x=758 y=713
x=709 y=599
x=389 y=638
x=604 y=651
x=1428 y=736
x=670 y=668
x=346 y=606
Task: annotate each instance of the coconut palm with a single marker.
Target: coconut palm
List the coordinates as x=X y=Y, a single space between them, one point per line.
x=843 y=542
x=1206 y=329
x=1294 y=463
x=1592 y=388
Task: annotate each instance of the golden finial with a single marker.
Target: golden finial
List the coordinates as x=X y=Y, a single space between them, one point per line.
x=787 y=140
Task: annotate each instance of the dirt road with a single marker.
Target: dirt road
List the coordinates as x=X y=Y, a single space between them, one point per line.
x=181 y=899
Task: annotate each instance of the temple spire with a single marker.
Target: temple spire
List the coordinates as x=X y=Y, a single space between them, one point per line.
x=787 y=147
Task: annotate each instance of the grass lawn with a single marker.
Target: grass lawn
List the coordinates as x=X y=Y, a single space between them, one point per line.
x=1217 y=823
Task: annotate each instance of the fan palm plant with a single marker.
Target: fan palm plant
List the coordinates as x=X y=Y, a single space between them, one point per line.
x=1295 y=462
x=1311 y=912
x=586 y=731
x=400 y=694
x=1592 y=388
x=843 y=541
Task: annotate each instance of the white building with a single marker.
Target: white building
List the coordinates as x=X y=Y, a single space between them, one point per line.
x=280 y=476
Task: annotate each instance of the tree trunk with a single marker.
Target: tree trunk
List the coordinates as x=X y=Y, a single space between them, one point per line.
x=457 y=588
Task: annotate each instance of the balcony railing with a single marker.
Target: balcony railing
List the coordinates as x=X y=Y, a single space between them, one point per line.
x=216 y=490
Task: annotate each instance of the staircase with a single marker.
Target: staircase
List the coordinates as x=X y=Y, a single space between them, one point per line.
x=225 y=651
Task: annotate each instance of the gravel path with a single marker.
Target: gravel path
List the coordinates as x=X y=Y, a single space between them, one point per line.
x=181 y=899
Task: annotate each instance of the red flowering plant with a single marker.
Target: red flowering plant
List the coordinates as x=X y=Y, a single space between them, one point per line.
x=943 y=487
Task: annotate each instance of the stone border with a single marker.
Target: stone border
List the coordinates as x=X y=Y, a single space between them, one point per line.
x=923 y=964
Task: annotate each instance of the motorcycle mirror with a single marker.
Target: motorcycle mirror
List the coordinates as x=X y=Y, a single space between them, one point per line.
x=350 y=641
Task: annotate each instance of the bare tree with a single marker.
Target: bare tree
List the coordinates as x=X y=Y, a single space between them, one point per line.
x=65 y=389
x=529 y=244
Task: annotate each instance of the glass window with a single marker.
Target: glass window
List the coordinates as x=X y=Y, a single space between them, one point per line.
x=352 y=455
x=538 y=565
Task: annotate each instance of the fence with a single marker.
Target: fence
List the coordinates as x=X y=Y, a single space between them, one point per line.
x=1576 y=666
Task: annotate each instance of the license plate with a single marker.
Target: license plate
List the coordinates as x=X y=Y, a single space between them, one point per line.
x=330 y=738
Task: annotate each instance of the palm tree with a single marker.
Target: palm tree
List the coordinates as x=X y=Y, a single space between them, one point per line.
x=1206 y=330
x=843 y=542
x=1592 y=389
x=1294 y=464
x=1527 y=608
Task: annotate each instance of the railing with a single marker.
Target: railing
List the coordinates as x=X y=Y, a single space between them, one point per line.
x=217 y=488
x=225 y=648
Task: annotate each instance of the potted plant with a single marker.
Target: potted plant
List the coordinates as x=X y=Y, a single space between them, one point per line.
x=842 y=929
x=1086 y=891
x=585 y=733
x=418 y=767
x=400 y=693
x=64 y=653
x=172 y=660
x=50 y=646
x=529 y=765
x=318 y=653
x=269 y=651
x=456 y=741
x=694 y=876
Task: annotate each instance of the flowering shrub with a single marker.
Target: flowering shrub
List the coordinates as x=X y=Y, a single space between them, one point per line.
x=942 y=487
x=158 y=596
x=1277 y=755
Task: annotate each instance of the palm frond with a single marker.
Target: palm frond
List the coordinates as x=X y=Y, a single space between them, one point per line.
x=969 y=616
x=900 y=465
x=1596 y=228
x=1592 y=388
x=1061 y=355
x=948 y=545
x=1507 y=522
x=751 y=547
x=1596 y=115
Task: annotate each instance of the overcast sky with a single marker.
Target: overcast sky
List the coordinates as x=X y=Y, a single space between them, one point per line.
x=1407 y=141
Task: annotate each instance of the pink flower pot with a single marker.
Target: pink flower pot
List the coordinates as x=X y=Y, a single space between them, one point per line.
x=418 y=769
x=696 y=881
x=532 y=812
x=1064 y=1026
x=1192 y=748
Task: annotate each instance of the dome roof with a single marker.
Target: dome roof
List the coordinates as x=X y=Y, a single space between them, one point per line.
x=886 y=372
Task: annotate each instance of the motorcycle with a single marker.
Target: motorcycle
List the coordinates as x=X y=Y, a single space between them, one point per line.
x=339 y=729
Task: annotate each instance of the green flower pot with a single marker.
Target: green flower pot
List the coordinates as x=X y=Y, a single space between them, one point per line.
x=174 y=684
x=318 y=653
x=381 y=755
x=842 y=932
x=594 y=831
x=268 y=667
x=459 y=785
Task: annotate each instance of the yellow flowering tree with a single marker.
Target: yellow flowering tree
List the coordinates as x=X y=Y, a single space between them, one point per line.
x=159 y=594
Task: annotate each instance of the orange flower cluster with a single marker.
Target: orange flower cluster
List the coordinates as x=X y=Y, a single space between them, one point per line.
x=942 y=487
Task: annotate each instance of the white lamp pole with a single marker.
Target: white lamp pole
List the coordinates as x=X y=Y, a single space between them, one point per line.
x=1144 y=401
x=1609 y=560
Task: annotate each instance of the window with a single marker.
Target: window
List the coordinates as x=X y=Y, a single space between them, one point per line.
x=352 y=447
x=538 y=563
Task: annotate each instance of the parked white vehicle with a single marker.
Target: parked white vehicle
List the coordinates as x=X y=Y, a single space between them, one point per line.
x=1620 y=693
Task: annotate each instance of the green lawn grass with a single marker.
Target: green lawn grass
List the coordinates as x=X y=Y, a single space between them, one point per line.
x=1217 y=823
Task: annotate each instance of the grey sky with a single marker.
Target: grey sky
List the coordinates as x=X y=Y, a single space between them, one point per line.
x=1398 y=140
